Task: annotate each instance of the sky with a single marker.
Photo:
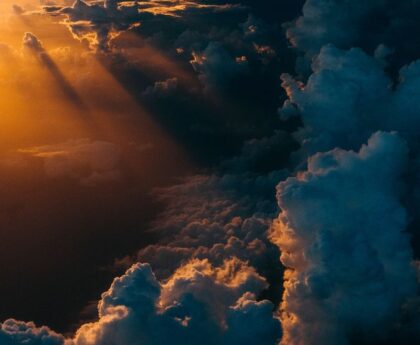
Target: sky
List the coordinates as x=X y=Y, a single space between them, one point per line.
x=209 y=172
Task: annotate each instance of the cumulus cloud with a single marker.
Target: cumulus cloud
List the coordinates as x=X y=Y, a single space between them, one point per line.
x=217 y=218
x=348 y=96
x=89 y=162
x=222 y=216
x=341 y=234
x=14 y=332
x=199 y=304
x=348 y=24
x=329 y=22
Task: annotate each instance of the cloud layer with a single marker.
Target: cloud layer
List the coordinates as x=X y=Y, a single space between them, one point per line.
x=347 y=176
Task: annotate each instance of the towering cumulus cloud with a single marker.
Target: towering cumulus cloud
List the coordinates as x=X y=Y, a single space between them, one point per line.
x=345 y=222
x=341 y=236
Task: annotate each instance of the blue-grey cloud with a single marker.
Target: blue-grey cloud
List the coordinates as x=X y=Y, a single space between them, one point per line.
x=342 y=236
x=347 y=24
x=199 y=304
x=356 y=86
x=348 y=96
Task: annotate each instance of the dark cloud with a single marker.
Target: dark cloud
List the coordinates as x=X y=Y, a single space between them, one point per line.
x=216 y=68
x=14 y=332
x=365 y=24
x=227 y=65
x=348 y=96
x=100 y=22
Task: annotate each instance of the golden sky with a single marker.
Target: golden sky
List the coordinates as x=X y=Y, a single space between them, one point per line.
x=38 y=104
x=75 y=147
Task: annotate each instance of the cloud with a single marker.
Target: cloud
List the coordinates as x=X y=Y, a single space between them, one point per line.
x=99 y=23
x=217 y=218
x=223 y=49
x=348 y=96
x=341 y=234
x=343 y=226
x=216 y=68
x=34 y=45
x=199 y=304
x=32 y=42
x=207 y=209
x=89 y=162
x=14 y=332
x=329 y=22
x=162 y=88
x=348 y=24
x=263 y=155
x=18 y=10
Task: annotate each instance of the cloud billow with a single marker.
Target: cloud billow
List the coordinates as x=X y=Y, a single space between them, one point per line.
x=345 y=218
x=341 y=234
x=199 y=304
